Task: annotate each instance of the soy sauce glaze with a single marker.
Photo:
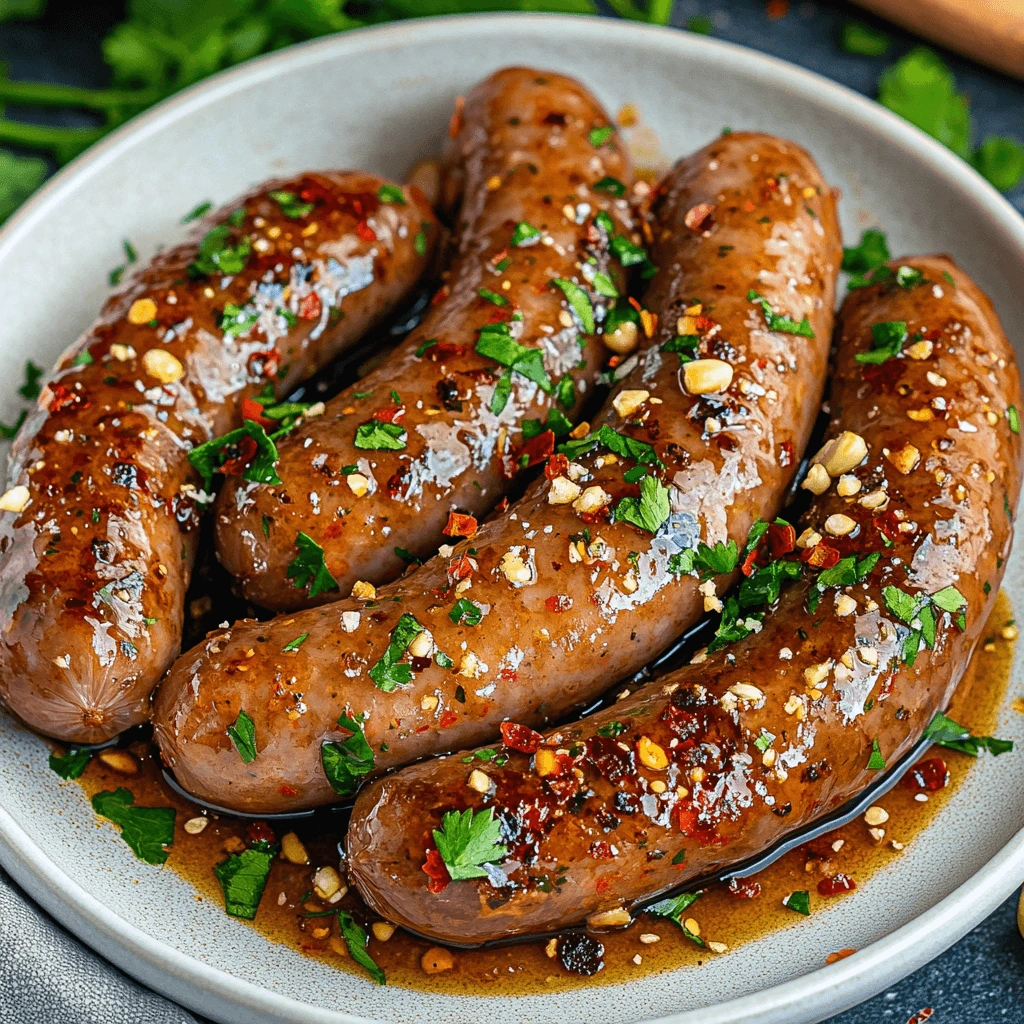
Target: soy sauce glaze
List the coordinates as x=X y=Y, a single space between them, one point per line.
x=726 y=916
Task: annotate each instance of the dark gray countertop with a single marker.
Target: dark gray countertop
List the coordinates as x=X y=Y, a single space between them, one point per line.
x=981 y=979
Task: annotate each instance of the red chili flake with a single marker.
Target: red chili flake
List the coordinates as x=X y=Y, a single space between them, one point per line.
x=252 y=410
x=536 y=450
x=921 y=1016
x=262 y=364
x=776 y=9
x=334 y=529
x=508 y=675
x=704 y=323
x=445 y=348
x=460 y=525
x=888 y=524
x=558 y=603
x=520 y=737
x=686 y=818
x=448 y=718
x=246 y=450
x=437 y=872
x=440 y=295
x=498 y=257
x=389 y=414
x=502 y=507
x=310 y=307
x=700 y=217
x=460 y=568
x=933 y=335
x=557 y=465
x=821 y=556
x=744 y=889
x=786 y=454
x=781 y=540
x=496 y=316
x=600 y=850
x=836 y=885
x=260 y=832
x=285 y=790
x=749 y=206
x=396 y=483
x=750 y=562
x=603 y=885
x=365 y=232
x=931 y=774
x=63 y=397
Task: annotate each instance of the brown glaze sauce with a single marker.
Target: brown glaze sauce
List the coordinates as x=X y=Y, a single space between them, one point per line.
x=525 y=968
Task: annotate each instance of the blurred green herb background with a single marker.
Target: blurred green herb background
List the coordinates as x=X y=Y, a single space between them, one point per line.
x=161 y=46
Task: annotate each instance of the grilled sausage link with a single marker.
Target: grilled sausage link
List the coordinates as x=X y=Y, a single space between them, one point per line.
x=98 y=533
x=898 y=564
x=438 y=427
x=574 y=586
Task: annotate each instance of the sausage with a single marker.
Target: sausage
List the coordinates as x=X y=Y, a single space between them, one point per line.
x=98 y=534
x=715 y=762
x=561 y=595
x=529 y=148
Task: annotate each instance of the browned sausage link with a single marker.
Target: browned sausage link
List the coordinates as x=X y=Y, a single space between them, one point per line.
x=715 y=762
x=550 y=603
x=435 y=429
x=99 y=533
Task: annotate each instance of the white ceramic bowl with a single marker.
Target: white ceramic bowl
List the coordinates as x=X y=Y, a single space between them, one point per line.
x=378 y=99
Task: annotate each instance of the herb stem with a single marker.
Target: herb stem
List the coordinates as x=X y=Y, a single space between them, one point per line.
x=63 y=144
x=52 y=94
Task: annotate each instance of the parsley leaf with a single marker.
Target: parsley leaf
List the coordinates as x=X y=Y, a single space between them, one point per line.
x=216 y=255
x=675 y=907
x=1012 y=418
x=72 y=764
x=243 y=877
x=20 y=176
x=799 y=901
x=1001 y=161
x=887 y=339
x=864 y=40
x=31 y=389
x=209 y=457
x=525 y=234
x=309 y=568
x=495 y=341
x=345 y=763
x=492 y=297
x=390 y=671
x=612 y=186
x=579 y=301
x=243 y=736
x=947 y=733
x=147 y=830
x=872 y=252
x=197 y=211
x=599 y=136
x=779 y=323
x=391 y=194
x=466 y=611
x=376 y=436
x=611 y=729
x=732 y=628
x=290 y=204
x=648 y=511
x=468 y=840
x=876 y=762
x=621 y=444
x=356 y=940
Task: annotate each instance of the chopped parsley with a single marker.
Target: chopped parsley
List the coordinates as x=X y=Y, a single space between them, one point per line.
x=31 y=389
x=1013 y=418
x=947 y=733
x=491 y=296
x=196 y=212
x=775 y=322
x=876 y=762
x=650 y=510
x=216 y=254
x=799 y=901
x=237 y=320
x=72 y=764
x=390 y=671
x=887 y=339
x=356 y=940
x=611 y=729
x=294 y=645
x=377 y=436
x=243 y=736
x=147 y=830
x=243 y=877
x=612 y=186
x=864 y=40
x=419 y=242
x=291 y=206
x=579 y=301
x=495 y=341
x=465 y=611
x=10 y=431
x=621 y=444
x=347 y=762
x=309 y=567
x=525 y=234
x=599 y=136
x=709 y=561
x=860 y=260
x=468 y=840
x=674 y=909
x=391 y=194
x=220 y=452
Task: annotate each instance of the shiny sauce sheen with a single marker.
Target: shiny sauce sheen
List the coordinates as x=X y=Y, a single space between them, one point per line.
x=724 y=917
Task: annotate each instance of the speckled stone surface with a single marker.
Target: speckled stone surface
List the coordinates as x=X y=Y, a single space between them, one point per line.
x=981 y=978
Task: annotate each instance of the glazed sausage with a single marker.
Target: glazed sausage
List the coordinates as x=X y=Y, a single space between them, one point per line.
x=98 y=534
x=439 y=427
x=574 y=586
x=898 y=564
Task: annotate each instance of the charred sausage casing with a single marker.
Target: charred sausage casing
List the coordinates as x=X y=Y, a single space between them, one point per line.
x=897 y=564
x=442 y=425
x=98 y=531
x=580 y=582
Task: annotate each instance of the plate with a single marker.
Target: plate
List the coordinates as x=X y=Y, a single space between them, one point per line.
x=378 y=99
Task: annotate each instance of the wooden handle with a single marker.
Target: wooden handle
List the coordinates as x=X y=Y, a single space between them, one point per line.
x=989 y=31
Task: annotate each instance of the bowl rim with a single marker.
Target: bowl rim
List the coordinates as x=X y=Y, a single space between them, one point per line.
x=826 y=990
